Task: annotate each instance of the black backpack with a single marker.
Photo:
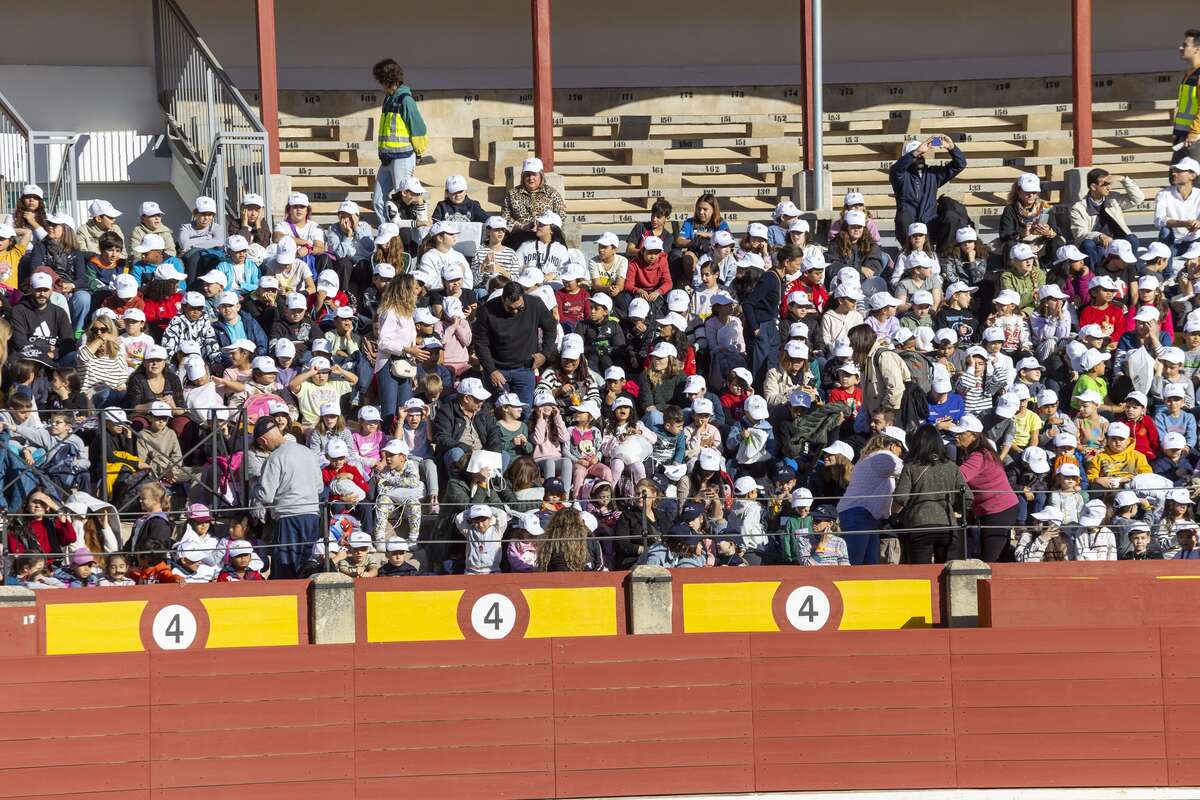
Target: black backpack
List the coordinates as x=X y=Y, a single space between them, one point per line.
x=951 y=215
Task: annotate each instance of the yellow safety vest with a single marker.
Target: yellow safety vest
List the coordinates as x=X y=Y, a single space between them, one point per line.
x=394 y=136
x=1186 y=104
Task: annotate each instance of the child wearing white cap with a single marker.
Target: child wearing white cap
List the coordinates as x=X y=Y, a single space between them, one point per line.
x=240 y=268
x=350 y=240
x=607 y=270
x=298 y=225
x=494 y=258
x=916 y=241
x=438 y=258
x=150 y=221
x=1010 y=321
x=400 y=490
x=457 y=206
x=192 y=324
x=202 y=238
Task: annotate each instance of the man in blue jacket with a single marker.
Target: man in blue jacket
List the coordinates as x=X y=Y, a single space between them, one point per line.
x=916 y=185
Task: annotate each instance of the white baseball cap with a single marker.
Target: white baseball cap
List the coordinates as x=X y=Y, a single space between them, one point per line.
x=102 y=208
x=1174 y=441
x=755 y=407
x=264 y=364
x=724 y=238
x=710 y=460
x=1093 y=511
x=1068 y=252
x=1029 y=183
x=840 y=448
x=757 y=230
x=745 y=485
x=969 y=423
x=803 y=498
x=1051 y=290
x=456 y=183
x=151 y=241
x=193 y=299
x=532 y=164
x=150 y=209
x=127 y=287
x=1117 y=430
x=382 y=269
x=652 y=243
x=236 y=243
x=702 y=405
x=412 y=185
x=966 y=235
x=214 y=276
x=1091 y=358
x=1020 y=252
x=916 y=228
x=1049 y=514
x=614 y=374
x=677 y=300
x=205 y=205
x=891 y=432
x=882 y=300
x=854 y=199
x=911 y=145
x=572 y=346
x=549 y=218
x=1125 y=498
x=1189 y=164
x=1155 y=251
x=1147 y=314
x=1121 y=249
x=638 y=308
x=251 y=199
x=674 y=320
x=473 y=387
x=608 y=239
x=786 y=208
x=664 y=350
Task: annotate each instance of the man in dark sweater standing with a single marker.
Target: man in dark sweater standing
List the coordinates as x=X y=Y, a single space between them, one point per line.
x=761 y=311
x=506 y=339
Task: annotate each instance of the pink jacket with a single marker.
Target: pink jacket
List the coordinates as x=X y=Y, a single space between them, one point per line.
x=988 y=482
x=456 y=341
x=540 y=436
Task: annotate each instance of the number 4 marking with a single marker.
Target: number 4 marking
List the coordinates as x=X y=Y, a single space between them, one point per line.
x=807 y=608
x=493 y=616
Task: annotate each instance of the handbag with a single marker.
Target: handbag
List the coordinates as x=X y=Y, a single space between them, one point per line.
x=403 y=368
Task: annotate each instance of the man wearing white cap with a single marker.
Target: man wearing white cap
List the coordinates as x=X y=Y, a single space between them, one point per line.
x=150 y=218
x=102 y=218
x=1099 y=216
x=1177 y=208
x=530 y=199
x=401 y=133
x=915 y=185
x=35 y=320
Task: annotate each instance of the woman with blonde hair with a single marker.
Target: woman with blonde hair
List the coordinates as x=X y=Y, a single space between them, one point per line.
x=566 y=545
x=102 y=365
x=397 y=353
x=659 y=382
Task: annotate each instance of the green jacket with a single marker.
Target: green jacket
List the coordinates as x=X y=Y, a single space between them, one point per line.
x=401 y=128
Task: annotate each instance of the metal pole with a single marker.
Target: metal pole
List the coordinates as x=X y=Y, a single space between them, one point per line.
x=1081 y=79
x=216 y=471
x=211 y=118
x=268 y=81
x=645 y=522
x=104 y=454
x=818 y=132
x=806 y=80
x=543 y=89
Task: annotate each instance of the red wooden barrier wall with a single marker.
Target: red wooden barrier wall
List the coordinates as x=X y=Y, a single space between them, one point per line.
x=699 y=713
x=1091 y=594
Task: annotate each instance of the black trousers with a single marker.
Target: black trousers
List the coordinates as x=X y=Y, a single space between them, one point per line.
x=994 y=537
x=930 y=545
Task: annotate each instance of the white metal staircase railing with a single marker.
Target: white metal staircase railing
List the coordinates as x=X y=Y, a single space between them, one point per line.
x=215 y=131
x=47 y=158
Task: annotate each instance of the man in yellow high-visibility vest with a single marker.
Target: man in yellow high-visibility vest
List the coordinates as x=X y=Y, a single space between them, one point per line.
x=402 y=136
x=1186 y=118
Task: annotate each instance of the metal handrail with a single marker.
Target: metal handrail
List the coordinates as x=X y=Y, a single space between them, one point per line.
x=211 y=122
x=64 y=187
x=16 y=154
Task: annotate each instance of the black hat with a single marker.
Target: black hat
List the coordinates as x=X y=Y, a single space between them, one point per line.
x=824 y=513
x=690 y=512
x=554 y=486
x=39 y=353
x=264 y=426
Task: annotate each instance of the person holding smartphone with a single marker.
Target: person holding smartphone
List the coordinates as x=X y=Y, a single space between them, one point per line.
x=915 y=184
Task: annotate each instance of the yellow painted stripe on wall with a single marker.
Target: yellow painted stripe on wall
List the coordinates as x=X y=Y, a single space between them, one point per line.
x=413 y=616
x=1178 y=577
x=590 y=611
x=885 y=605
x=729 y=607
x=266 y=621
x=111 y=627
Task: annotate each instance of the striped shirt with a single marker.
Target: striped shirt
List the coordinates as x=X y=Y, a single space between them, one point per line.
x=100 y=370
x=504 y=262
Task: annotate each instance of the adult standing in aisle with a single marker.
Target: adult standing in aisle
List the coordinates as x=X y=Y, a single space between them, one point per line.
x=402 y=136
x=290 y=489
x=1186 y=134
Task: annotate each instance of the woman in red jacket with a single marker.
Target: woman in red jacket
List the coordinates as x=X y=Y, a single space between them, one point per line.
x=649 y=275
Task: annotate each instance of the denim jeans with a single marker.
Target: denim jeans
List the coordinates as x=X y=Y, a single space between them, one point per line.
x=1167 y=236
x=393 y=393
x=519 y=381
x=863 y=548
x=1095 y=253
x=80 y=303
x=391 y=174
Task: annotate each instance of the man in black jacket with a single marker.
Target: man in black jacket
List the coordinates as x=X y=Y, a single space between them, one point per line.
x=916 y=185
x=506 y=340
x=451 y=436
x=36 y=319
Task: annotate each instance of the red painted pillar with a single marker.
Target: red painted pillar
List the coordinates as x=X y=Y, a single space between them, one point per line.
x=268 y=81
x=806 y=79
x=1081 y=79
x=543 y=86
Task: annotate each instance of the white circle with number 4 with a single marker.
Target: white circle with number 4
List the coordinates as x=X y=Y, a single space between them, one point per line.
x=493 y=616
x=807 y=608
x=174 y=628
